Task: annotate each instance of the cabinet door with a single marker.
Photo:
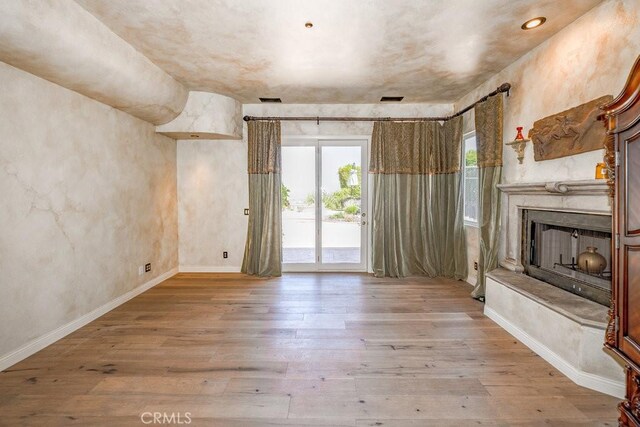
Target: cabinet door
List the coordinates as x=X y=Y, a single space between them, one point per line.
x=629 y=250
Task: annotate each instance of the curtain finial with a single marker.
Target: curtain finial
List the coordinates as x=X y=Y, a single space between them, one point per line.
x=505 y=87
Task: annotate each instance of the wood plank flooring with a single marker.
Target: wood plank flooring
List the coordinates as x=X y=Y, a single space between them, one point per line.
x=301 y=350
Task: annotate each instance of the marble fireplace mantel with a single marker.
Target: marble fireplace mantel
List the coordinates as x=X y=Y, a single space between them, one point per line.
x=583 y=196
x=576 y=188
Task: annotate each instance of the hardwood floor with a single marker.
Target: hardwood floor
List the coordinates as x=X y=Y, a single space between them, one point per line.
x=304 y=349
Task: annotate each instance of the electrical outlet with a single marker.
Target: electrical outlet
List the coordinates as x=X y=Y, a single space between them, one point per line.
x=246 y=211
x=140 y=270
x=147 y=267
x=475 y=265
x=225 y=254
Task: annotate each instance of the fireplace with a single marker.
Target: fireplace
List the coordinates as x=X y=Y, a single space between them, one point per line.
x=569 y=306
x=569 y=250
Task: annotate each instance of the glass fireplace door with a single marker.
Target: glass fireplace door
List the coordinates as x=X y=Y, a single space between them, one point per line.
x=569 y=250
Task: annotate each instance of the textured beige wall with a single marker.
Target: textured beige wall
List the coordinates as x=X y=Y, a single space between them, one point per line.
x=589 y=58
x=88 y=194
x=472 y=234
x=60 y=41
x=212 y=194
x=206 y=115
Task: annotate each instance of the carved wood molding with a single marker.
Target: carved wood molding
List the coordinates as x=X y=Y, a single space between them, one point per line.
x=610 y=163
x=634 y=400
x=612 y=122
x=631 y=406
x=611 y=332
x=629 y=96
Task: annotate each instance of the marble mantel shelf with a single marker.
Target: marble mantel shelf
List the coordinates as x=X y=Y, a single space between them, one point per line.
x=575 y=188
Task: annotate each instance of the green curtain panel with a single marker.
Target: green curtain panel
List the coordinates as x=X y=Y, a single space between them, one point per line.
x=489 y=123
x=263 y=250
x=417 y=199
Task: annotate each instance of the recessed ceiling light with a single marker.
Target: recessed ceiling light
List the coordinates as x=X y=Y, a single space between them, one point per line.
x=308 y=24
x=533 y=23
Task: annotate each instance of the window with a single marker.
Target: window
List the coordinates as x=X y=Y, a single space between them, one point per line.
x=470 y=180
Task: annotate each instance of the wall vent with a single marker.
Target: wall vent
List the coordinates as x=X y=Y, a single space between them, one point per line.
x=275 y=100
x=391 y=98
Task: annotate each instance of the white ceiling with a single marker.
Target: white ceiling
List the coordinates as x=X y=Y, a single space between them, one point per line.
x=357 y=51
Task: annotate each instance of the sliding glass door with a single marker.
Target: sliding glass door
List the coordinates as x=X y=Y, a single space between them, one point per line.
x=324 y=205
x=299 y=211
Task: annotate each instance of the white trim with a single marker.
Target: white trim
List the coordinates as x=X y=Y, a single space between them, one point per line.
x=320 y=141
x=322 y=268
x=49 y=338
x=471 y=280
x=209 y=269
x=467 y=221
x=585 y=379
x=291 y=139
x=470 y=223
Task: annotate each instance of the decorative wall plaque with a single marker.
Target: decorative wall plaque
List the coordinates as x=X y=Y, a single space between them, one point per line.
x=570 y=132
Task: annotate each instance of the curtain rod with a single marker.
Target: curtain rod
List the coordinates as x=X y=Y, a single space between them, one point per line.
x=504 y=87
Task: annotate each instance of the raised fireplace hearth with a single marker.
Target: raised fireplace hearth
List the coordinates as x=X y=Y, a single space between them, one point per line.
x=569 y=250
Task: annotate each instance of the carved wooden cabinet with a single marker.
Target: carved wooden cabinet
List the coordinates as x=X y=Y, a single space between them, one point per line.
x=622 y=119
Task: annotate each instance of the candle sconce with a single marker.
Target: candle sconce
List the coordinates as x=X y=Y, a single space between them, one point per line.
x=519 y=144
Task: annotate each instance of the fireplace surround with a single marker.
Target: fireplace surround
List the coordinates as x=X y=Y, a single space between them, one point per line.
x=561 y=326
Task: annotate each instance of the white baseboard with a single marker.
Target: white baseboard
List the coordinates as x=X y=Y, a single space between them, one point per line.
x=209 y=269
x=585 y=379
x=49 y=338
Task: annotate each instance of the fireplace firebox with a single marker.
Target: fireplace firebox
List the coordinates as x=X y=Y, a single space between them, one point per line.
x=569 y=250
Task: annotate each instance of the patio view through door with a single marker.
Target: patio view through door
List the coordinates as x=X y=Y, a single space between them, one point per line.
x=324 y=204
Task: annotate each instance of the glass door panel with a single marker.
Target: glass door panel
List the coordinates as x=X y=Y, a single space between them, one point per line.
x=343 y=205
x=324 y=205
x=299 y=205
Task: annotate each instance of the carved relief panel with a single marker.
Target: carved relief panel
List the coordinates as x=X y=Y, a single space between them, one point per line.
x=570 y=132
